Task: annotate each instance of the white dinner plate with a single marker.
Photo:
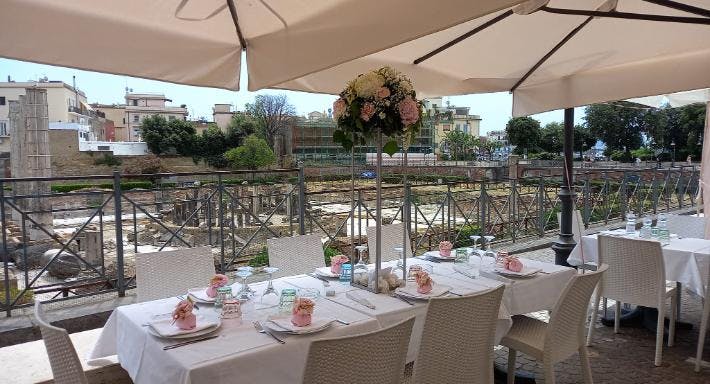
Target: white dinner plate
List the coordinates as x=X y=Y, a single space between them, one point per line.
x=410 y=291
x=526 y=272
x=436 y=255
x=283 y=324
x=325 y=272
x=188 y=335
x=200 y=295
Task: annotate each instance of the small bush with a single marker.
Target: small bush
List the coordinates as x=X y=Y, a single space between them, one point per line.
x=26 y=298
x=126 y=185
x=261 y=259
x=109 y=160
x=330 y=252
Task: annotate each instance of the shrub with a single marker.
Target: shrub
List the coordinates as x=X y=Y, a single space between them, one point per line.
x=330 y=252
x=464 y=234
x=109 y=160
x=126 y=185
x=261 y=259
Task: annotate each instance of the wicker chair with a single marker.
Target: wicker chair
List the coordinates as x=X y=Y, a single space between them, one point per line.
x=169 y=273
x=562 y=336
x=458 y=339
x=687 y=226
x=636 y=275
x=391 y=238
x=295 y=255
x=703 y=323
x=330 y=361
x=65 y=363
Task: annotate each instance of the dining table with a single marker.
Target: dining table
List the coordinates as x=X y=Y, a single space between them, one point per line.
x=239 y=353
x=686 y=260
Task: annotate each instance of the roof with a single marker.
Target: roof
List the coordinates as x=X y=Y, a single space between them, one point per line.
x=40 y=84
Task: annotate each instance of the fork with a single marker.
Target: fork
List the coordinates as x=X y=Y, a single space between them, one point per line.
x=261 y=329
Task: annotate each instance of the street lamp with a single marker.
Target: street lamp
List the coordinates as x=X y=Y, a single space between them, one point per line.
x=673 y=160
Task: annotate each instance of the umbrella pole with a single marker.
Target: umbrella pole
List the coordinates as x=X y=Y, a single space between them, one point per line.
x=405 y=208
x=353 y=252
x=378 y=211
x=565 y=241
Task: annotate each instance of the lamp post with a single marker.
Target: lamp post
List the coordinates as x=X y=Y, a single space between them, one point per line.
x=564 y=243
x=673 y=160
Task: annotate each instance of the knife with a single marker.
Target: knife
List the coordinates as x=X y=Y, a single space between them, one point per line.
x=359 y=300
x=322 y=278
x=173 y=346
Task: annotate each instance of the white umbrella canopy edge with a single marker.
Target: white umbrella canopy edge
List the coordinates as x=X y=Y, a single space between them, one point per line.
x=198 y=43
x=605 y=59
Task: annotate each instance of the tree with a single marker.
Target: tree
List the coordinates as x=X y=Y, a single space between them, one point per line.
x=253 y=154
x=272 y=114
x=583 y=139
x=552 y=137
x=461 y=145
x=683 y=125
x=524 y=133
x=241 y=126
x=618 y=125
x=210 y=147
x=168 y=137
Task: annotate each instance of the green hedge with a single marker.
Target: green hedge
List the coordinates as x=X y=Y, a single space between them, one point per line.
x=126 y=185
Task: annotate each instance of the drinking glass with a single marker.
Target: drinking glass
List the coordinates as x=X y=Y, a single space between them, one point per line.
x=270 y=298
x=400 y=255
x=288 y=296
x=244 y=293
x=491 y=256
x=250 y=270
x=360 y=266
x=461 y=261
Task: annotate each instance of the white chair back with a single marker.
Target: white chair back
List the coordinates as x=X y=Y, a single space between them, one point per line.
x=170 y=273
x=565 y=332
x=295 y=255
x=383 y=354
x=65 y=363
x=687 y=226
x=458 y=339
x=392 y=236
x=636 y=270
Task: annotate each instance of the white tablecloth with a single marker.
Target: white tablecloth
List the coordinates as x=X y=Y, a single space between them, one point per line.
x=240 y=354
x=686 y=260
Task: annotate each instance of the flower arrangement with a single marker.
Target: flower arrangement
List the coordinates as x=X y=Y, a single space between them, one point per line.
x=383 y=98
x=302 y=312
x=424 y=282
x=183 y=317
x=217 y=281
x=336 y=263
x=445 y=248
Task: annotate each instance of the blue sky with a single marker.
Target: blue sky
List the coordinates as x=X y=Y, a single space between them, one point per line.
x=494 y=108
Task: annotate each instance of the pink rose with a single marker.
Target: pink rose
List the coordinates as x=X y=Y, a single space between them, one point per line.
x=382 y=93
x=408 y=111
x=367 y=111
x=339 y=107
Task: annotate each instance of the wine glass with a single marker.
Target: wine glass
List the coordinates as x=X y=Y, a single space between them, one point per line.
x=475 y=238
x=244 y=293
x=269 y=298
x=489 y=252
x=360 y=264
x=249 y=269
x=400 y=257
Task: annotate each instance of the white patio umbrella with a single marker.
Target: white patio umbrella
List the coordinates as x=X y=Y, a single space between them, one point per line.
x=552 y=54
x=680 y=99
x=200 y=42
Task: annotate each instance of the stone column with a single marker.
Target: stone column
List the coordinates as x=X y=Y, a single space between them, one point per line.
x=92 y=246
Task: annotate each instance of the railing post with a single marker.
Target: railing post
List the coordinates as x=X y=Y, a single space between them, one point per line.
x=512 y=215
x=483 y=202
x=220 y=218
x=623 y=203
x=118 y=220
x=5 y=257
x=541 y=208
x=301 y=200
x=680 y=190
x=587 y=197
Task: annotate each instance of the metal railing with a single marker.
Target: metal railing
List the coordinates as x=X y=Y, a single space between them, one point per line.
x=66 y=241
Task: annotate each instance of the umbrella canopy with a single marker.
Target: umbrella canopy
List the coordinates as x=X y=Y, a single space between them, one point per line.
x=552 y=54
x=200 y=42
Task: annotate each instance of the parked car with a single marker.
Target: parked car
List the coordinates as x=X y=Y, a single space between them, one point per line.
x=368 y=175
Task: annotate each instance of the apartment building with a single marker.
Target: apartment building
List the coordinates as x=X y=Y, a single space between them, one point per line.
x=446 y=118
x=67 y=110
x=129 y=116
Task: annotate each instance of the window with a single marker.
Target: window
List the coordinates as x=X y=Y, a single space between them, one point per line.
x=104 y=148
x=3 y=128
x=2 y=100
x=136 y=118
x=171 y=118
x=134 y=102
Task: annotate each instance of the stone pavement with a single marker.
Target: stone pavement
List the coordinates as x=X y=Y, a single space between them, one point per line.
x=627 y=357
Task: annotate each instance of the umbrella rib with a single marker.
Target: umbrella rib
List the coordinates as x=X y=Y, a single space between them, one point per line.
x=629 y=16
x=681 y=7
x=551 y=52
x=235 y=19
x=464 y=36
